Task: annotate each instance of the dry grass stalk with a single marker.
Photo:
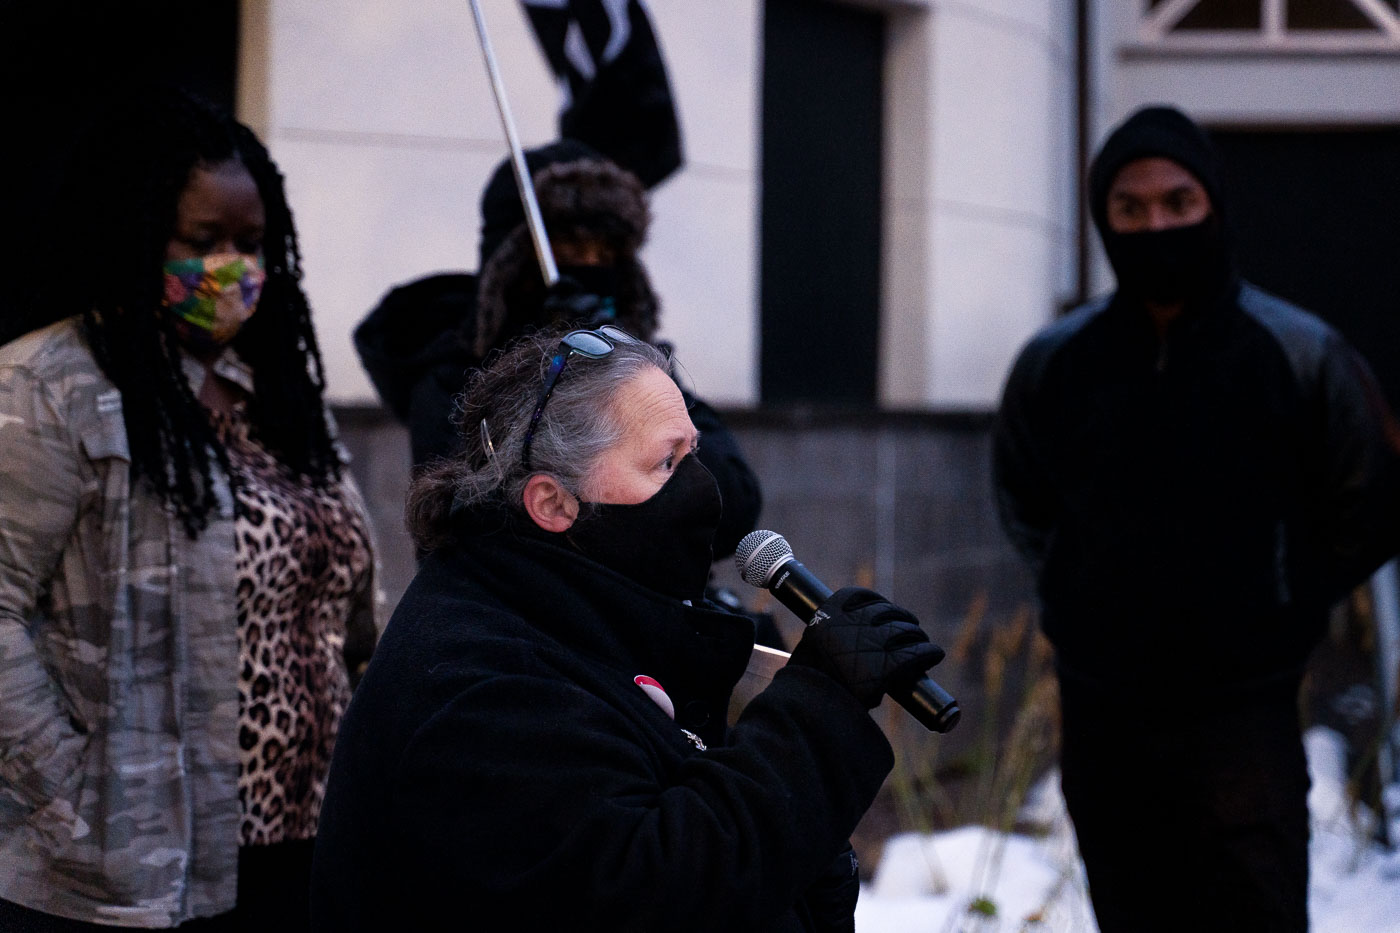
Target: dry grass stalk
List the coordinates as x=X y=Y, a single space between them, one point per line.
x=1017 y=675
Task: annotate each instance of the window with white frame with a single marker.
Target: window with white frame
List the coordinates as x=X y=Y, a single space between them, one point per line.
x=1271 y=25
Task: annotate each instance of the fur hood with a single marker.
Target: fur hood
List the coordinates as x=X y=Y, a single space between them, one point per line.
x=585 y=198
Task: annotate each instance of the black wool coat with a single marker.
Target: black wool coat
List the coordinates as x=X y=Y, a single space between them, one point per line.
x=499 y=768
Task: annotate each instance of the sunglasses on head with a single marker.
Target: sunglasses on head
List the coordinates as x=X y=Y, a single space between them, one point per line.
x=589 y=344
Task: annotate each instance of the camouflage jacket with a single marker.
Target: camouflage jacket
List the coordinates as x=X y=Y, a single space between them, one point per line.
x=118 y=662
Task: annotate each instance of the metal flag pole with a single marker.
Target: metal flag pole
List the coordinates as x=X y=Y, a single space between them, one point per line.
x=526 y=186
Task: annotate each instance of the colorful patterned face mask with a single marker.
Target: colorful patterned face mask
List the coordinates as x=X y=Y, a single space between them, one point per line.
x=212 y=297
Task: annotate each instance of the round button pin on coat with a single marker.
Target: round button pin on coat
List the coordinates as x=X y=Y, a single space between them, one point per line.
x=657 y=693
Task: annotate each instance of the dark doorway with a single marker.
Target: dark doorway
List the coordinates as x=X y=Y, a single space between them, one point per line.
x=64 y=60
x=1318 y=221
x=821 y=212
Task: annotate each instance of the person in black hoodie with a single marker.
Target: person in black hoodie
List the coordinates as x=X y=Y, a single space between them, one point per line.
x=423 y=338
x=540 y=741
x=1197 y=471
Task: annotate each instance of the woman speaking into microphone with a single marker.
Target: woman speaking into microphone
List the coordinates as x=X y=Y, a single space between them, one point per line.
x=540 y=740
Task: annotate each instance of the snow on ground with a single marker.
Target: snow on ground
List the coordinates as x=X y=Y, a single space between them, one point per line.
x=931 y=883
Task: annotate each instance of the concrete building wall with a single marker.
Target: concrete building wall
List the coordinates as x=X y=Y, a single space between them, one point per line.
x=1291 y=83
x=703 y=255
x=381 y=117
x=998 y=179
x=1288 y=82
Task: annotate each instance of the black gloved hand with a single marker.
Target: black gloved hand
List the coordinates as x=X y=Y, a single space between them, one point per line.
x=567 y=300
x=867 y=644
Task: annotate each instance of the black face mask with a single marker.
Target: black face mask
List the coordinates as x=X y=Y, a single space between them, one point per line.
x=1182 y=264
x=664 y=543
x=595 y=301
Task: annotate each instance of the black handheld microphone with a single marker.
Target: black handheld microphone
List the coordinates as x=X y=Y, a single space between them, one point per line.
x=765 y=560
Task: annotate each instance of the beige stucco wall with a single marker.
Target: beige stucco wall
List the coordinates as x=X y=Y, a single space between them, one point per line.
x=1242 y=88
x=980 y=223
x=380 y=116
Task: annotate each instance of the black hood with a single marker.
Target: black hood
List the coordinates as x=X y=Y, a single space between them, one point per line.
x=1192 y=264
x=1156 y=131
x=414 y=330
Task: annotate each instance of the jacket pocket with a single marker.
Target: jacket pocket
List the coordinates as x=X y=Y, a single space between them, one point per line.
x=56 y=822
x=124 y=832
x=104 y=437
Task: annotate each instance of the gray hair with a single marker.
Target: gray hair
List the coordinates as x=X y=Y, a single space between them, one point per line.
x=578 y=425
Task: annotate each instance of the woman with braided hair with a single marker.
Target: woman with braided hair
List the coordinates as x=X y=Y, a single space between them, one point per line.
x=186 y=572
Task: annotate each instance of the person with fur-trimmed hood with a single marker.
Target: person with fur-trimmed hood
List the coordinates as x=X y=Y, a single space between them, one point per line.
x=423 y=338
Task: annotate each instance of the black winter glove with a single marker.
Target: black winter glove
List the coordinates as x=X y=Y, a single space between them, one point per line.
x=568 y=301
x=867 y=644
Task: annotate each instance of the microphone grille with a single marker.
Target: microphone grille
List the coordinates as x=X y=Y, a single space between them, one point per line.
x=759 y=554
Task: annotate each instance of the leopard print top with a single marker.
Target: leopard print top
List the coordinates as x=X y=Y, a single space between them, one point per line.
x=303 y=555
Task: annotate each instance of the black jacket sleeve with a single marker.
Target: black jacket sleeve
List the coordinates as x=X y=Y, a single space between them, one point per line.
x=1026 y=501
x=432 y=427
x=558 y=809
x=412 y=348
x=1357 y=498
x=412 y=330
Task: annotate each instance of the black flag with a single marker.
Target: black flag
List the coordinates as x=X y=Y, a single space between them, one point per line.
x=616 y=96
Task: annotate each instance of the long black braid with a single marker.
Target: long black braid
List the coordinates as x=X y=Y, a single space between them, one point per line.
x=126 y=183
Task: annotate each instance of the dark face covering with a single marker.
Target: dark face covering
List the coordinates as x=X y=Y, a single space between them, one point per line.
x=1182 y=264
x=595 y=302
x=1190 y=265
x=664 y=543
